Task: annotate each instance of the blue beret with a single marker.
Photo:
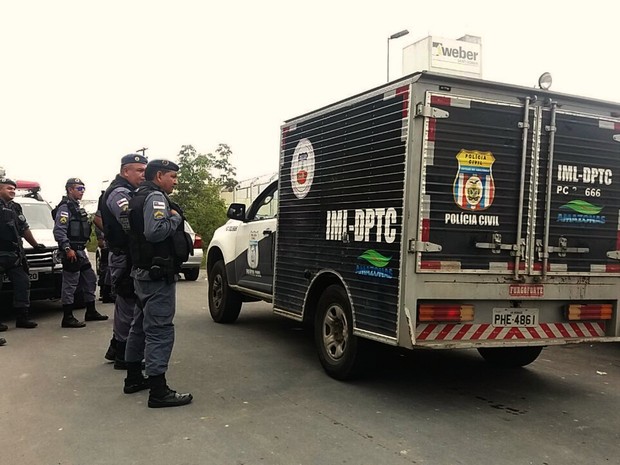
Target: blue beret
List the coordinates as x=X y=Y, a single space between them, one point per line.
x=8 y=181
x=72 y=181
x=134 y=158
x=163 y=165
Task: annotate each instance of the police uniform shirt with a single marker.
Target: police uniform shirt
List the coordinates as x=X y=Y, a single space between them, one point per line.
x=118 y=201
x=61 y=224
x=159 y=222
x=20 y=222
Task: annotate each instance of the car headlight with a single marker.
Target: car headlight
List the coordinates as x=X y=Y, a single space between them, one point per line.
x=56 y=257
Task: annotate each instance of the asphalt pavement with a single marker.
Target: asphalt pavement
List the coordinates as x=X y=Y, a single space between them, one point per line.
x=261 y=397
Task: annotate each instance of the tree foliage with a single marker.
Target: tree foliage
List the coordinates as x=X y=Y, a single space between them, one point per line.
x=201 y=178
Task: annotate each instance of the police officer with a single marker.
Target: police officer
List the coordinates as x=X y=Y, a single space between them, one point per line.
x=72 y=232
x=158 y=246
x=13 y=226
x=114 y=205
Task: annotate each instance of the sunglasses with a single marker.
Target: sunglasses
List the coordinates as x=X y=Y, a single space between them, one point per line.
x=80 y=188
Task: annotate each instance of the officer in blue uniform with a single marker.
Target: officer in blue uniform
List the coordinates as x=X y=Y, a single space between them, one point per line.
x=13 y=226
x=72 y=232
x=158 y=245
x=115 y=202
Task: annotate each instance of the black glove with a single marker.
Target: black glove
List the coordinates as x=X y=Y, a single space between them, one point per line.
x=39 y=247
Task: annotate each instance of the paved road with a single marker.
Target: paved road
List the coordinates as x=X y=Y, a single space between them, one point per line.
x=261 y=397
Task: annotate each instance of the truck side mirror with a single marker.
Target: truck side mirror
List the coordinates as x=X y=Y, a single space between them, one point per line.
x=236 y=211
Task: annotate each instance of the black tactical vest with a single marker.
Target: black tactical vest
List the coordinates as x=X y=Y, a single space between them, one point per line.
x=9 y=235
x=112 y=229
x=78 y=229
x=175 y=247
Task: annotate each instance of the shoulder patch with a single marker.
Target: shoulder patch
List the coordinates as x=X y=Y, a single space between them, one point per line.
x=122 y=202
x=159 y=205
x=158 y=214
x=64 y=214
x=63 y=220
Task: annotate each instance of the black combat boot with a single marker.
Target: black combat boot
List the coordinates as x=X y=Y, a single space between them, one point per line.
x=3 y=327
x=111 y=352
x=119 y=358
x=23 y=319
x=106 y=294
x=92 y=314
x=68 y=320
x=162 y=396
x=135 y=380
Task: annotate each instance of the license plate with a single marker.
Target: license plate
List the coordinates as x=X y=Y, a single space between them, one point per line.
x=515 y=317
x=34 y=276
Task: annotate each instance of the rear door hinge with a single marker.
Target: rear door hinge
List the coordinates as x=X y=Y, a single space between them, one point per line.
x=430 y=112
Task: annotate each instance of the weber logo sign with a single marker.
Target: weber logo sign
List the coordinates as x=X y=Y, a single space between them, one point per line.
x=456 y=55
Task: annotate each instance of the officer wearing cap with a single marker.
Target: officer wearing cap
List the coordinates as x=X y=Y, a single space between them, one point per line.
x=114 y=205
x=13 y=226
x=72 y=232
x=158 y=245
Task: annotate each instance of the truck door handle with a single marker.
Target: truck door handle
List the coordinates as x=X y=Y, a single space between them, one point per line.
x=267 y=232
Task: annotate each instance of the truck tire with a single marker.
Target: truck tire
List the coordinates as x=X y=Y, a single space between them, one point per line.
x=191 y=274
x=342 y=354
x=510 y=357
x=224 y=303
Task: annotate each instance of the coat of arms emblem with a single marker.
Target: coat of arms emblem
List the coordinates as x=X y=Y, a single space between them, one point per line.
x=474 y=187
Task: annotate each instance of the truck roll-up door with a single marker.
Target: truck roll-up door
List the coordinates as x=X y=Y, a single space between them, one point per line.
x=472 y=185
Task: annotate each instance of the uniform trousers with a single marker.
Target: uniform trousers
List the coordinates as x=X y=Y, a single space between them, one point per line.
x=152 y=331
x=21 y=286
x=84 y=280
x=123 y=306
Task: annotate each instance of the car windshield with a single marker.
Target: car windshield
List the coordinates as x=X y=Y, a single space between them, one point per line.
x=38 y=215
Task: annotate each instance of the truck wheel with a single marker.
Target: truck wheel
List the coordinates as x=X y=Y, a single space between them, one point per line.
x=510 y=357
x=191 y=275
x=224 y=303
x=341 y=353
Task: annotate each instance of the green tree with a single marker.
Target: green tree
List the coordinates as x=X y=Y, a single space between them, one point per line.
x=201 y=178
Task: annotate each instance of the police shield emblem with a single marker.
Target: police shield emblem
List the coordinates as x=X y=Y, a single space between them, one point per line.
x=252 y=253
x=474 y=187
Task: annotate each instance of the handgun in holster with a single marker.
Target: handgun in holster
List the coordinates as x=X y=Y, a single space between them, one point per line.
x=162 y=268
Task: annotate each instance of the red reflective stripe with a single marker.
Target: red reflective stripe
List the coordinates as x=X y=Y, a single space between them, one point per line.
x=612 y=267
x=533 y=333
x=462 y=332
x=577 y=329
x=562 y=329
x=514 y=333
x=479 y=331
x=495 y=333
x=432 y=126
x=437 y=100
x=592 y=329
x=547 y=330
x=429 y=329
x=445 y=331
x=404 y=91
x=430 y=265
x=426 y=229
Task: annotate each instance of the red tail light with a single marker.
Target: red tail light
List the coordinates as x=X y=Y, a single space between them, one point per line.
x=589 y=312
x=197 y=242
x=439 y=312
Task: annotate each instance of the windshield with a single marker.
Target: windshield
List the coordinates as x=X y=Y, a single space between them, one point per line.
x=38 y=215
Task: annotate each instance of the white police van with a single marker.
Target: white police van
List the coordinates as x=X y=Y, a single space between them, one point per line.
x=436 y=212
